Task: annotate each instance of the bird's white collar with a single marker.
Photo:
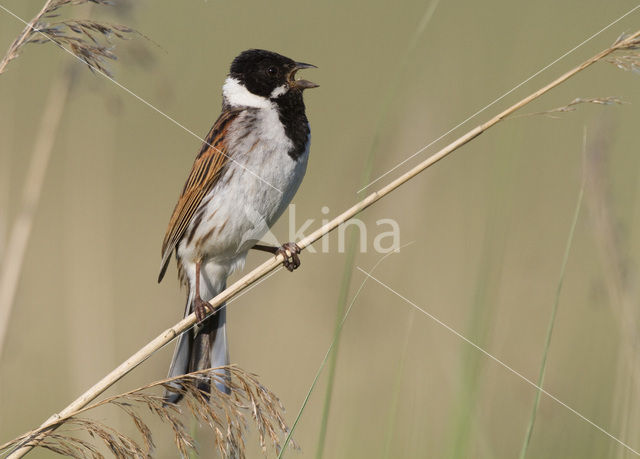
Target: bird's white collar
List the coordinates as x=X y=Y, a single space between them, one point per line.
x=236 y=95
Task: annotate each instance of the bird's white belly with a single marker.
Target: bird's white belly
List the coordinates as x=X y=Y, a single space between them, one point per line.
x=255 y=189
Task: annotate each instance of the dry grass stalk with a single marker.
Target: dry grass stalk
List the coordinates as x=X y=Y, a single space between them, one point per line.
x=617 y=275
x=13 y=256
x=90 y=41
x=225 y=414
x=86 y=45
x=624 y=43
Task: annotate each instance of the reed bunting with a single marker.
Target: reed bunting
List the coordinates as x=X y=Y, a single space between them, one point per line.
x=242 y=180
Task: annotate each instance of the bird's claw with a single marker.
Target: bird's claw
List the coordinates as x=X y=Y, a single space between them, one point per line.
x=201 y=308
x=290 y=252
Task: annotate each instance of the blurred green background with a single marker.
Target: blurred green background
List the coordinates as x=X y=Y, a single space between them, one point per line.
x=490 y=223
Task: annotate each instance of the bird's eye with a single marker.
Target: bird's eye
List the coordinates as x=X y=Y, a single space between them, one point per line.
x=272 y=71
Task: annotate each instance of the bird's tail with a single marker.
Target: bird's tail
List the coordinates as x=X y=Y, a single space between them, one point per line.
x=204 y=346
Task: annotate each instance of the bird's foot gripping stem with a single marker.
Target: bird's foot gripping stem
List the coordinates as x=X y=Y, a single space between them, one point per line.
x=290 y=252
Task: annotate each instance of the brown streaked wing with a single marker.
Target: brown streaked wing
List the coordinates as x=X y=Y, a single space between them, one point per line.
x=204 y=174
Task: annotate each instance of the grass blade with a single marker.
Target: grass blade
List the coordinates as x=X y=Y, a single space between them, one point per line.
x=552 y=319
x=393 y=409
x=351 y=243
x=329 y=351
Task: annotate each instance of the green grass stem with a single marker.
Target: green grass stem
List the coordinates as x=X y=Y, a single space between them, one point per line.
x=328 y=353
x=550 y=326
x=352 y=242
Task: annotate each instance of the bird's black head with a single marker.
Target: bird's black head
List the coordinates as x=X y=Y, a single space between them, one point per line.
x=268 y=74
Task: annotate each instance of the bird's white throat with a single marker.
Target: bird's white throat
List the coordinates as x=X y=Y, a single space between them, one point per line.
x=236 y=95
x=280 y=90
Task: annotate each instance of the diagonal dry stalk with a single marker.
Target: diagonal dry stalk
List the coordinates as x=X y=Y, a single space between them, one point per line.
x=624 y=42
x=225 y=414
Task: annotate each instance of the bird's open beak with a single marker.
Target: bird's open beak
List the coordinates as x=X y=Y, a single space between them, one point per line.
x=301 y=84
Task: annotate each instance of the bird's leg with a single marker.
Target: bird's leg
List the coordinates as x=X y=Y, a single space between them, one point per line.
x=200 y=307
x=265 y=248
x=290 y=251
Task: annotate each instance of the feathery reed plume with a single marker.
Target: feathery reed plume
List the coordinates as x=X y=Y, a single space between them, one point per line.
x=626 y=43
x=225 y=414
x=571 y=106
x=631 y=61
x=90 y=41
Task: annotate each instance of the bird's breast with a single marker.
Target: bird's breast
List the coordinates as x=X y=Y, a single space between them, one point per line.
x=256 y=186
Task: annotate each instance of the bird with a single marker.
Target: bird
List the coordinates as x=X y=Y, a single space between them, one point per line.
x=244 y=176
